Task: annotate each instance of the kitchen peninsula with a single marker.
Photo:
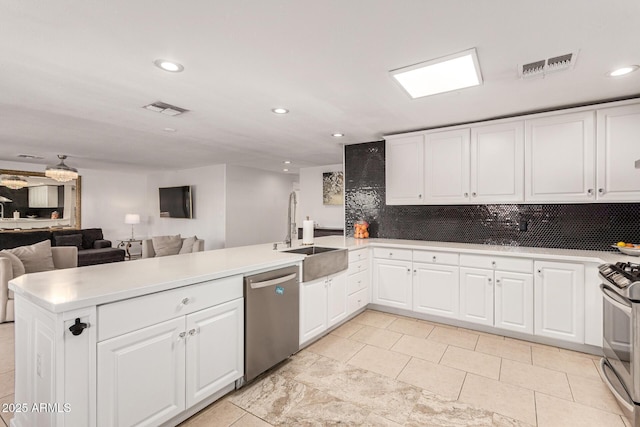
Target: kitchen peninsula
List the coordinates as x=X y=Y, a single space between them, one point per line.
x=146 y=317
x=148 y=342
x=33 y=223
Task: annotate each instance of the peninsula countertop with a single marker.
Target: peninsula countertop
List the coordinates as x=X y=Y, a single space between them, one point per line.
x=73 y=288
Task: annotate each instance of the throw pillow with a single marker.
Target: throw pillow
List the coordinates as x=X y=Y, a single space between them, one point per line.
x=69 y=240
x=36 y=257
x=167 y=245
x=16 y=264
x=187 y=245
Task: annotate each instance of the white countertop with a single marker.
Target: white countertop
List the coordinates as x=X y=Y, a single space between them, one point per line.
x=515 y=251
x=68 y=289
x=74 y=288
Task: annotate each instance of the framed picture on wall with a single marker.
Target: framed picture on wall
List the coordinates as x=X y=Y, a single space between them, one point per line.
x=333 y=188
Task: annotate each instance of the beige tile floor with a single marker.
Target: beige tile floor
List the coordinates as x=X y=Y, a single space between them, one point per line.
x=385 y=370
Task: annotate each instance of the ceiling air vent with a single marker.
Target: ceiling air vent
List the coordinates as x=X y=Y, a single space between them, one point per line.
x=164 y=108
x=546 y=66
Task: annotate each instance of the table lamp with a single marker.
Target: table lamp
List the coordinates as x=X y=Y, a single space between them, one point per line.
x=132 y=219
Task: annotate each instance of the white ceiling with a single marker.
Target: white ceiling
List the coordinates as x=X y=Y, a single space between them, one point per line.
x=75 y=74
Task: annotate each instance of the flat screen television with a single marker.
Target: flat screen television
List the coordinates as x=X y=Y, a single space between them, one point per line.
x=176 y=202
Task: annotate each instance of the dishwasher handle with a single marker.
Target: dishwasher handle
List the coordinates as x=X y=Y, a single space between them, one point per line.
x=272 y=282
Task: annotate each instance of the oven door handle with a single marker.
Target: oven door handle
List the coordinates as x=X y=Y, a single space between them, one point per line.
x=628 y=406
x=612 y=297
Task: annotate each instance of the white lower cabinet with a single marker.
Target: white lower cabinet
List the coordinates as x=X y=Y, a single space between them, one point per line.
x=392 y=283
x=323 y=303
x=497 y=298
x=141 y=376
x=476 y=295
x=215 y=350
x=559 y=300
x=436 y=289
x=150 y=375
x=513 y=301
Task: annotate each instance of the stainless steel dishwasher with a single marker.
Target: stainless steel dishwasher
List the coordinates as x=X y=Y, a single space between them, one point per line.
x=271 y=319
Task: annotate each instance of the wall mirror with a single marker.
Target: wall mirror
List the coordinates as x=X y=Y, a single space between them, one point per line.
x=36 y=202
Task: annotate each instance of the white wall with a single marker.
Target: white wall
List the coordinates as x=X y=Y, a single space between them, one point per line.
x=311 y=198
x=257 y=203
x=208 y=186
x=105 y=197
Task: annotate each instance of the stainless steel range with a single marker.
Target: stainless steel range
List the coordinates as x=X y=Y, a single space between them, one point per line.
x=621 y=329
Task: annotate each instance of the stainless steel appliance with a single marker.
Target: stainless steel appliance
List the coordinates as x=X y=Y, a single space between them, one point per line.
x=271 y=307
x=621 y=329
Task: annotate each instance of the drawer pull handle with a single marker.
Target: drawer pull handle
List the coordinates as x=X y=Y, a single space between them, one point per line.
x=493 y=263
x=184 y=301
x=390 y=253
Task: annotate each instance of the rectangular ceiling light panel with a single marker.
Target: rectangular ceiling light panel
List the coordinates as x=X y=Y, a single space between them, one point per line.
x=453 y=72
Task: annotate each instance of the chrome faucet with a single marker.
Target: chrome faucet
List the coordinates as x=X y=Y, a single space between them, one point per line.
x=291 y=219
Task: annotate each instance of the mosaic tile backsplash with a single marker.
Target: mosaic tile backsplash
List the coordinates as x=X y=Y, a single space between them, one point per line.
x=568 y=226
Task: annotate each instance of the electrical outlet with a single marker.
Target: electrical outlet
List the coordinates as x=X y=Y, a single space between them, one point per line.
x=523 y=225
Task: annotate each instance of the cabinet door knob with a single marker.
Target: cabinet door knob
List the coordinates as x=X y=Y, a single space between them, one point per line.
x=466 y=194
x=474 y=194
x=390 y=253
x=434 y=258
x=497 y=281
x=489 y=279
x=601 y=190
x=192 y=332
x=181 y=335
x=184 y=301
x=590 y=192
x=419 y=196
x=493 y=264
x=408 y=270
x=539 y=271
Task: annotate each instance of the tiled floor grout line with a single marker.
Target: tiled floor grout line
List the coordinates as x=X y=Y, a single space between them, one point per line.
x=535 y=406
x=403 y=368
x=464 y=380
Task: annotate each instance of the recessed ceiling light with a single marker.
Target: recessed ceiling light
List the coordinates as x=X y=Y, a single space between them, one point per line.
x=169 y=129
x=285 y=170
x=453 y=72
x=337 y=135
x=280 y=110
x=172 y=67
x=287 y=162
x=623 y=71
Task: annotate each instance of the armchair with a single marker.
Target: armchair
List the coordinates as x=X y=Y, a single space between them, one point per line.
x=63 y=257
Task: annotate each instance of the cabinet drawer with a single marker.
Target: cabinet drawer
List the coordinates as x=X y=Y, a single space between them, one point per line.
x=358 y=255
x=520 y=265
x=435 y=257
x=125 y=316
x=357 y=301
x=357 y=281
x=356 y=267
x=401 y=254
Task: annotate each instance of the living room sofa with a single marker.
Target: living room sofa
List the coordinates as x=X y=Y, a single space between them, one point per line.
x=92 y=247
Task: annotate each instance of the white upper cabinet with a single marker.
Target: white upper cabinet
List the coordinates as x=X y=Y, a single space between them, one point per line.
x=585 y=155
x=404 y=170
x=497 y=163
x=446 y=171
x=618 y=148
x=560 y=158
